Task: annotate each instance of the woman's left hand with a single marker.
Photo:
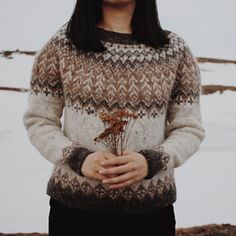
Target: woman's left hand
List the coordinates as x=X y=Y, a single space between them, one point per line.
x=129 y=168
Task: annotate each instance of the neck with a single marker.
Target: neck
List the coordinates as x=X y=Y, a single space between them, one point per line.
x=117 y=16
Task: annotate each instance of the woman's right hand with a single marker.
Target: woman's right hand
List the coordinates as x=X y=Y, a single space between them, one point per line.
x=92 y=165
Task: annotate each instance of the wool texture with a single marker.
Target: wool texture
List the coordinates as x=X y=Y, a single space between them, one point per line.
x=161 y=85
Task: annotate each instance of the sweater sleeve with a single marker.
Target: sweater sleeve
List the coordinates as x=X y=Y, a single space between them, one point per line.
x=42 y=119
x=184 y=131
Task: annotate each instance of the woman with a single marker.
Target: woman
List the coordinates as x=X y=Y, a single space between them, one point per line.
x=114 y=54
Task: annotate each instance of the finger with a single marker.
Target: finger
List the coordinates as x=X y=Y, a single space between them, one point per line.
x=110 y=176
x=102 y=171
x=116 y=161
x=116 y=170
x=124 y=184
x=126 y=152
x=99 y=168
x=98 y=176
x=108 y=155
x=118 y=179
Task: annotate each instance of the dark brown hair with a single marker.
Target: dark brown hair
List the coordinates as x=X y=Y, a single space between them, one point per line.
x=146 y=27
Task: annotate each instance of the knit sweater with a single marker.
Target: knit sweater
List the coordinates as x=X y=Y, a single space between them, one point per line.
x=161 y=85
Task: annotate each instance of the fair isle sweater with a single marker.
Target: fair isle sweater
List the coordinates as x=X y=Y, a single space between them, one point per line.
x=162 y=86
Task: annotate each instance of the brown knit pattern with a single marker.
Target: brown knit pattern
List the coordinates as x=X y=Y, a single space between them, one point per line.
x=74 y=191
x=162 y=86
x=137 y=77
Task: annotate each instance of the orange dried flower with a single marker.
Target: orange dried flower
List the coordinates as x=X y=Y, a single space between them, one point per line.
x=118 y=126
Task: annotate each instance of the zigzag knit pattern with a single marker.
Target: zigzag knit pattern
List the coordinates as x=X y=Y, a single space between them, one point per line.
x=162 y=86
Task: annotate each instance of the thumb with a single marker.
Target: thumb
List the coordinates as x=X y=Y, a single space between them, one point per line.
x=108 y=155
x=126 y=152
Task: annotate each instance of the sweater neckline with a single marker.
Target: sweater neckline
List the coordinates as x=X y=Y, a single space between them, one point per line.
x=114 y=36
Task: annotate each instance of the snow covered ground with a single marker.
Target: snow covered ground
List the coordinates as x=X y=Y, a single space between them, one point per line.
x=205 y=184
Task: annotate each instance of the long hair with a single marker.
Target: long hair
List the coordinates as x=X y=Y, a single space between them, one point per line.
x=145 y=24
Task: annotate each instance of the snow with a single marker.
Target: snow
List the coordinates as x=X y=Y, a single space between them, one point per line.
x=207 y=25
x=23 y=173
x=225 y=74
x=27 y=24
x=16 y=72
x=205 y=183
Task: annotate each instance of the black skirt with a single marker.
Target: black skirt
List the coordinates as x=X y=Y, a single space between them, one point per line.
x=68 y=221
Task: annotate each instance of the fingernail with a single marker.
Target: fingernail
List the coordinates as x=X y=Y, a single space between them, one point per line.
x=112 y=187
x=101 y=171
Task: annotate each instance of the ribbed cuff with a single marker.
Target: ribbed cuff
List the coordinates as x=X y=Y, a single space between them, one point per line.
x=76 y=159
x=156 y=160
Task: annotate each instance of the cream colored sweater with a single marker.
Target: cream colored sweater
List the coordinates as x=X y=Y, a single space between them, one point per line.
x=162 y=86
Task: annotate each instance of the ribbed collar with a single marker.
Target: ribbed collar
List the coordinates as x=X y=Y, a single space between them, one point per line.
x=115 y=37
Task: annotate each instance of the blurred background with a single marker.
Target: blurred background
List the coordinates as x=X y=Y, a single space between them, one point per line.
x=206 y=190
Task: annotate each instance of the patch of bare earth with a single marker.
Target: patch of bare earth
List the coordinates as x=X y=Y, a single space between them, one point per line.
x=205 y=230
x=208 y=89
x=208 y=230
